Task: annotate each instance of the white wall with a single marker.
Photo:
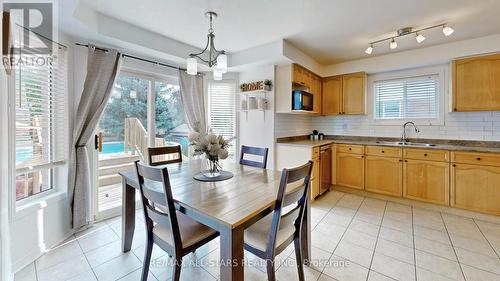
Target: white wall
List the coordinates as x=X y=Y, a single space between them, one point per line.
x=258 y=128
x=460 y=125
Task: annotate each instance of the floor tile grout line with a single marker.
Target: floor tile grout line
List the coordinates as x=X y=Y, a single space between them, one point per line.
x=454 y=250
x=376 y=242
x=85 y=255
x=414 y=245
x=489 y=243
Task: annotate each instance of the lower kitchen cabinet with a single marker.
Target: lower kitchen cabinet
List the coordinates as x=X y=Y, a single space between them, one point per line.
x=426 y=181
x=384 y=175
x=315 y=176
x=476 y=187
x=350 y=170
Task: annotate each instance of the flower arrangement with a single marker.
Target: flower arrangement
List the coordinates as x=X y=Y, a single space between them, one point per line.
x=212 y=146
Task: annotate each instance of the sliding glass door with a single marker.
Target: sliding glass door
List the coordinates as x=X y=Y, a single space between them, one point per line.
x=143 y=111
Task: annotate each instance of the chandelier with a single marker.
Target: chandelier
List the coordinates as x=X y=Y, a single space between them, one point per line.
x=217 y=60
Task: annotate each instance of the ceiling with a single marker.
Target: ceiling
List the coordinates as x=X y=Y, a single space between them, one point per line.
x=330 y=31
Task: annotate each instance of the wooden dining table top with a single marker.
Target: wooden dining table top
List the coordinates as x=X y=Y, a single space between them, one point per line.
x=231 y=202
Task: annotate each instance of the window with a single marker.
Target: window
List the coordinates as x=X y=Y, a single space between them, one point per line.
x=40 y=122
x=222 y=100
x=407 y=98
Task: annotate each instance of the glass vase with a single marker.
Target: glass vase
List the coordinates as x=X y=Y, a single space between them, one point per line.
x=212 y=167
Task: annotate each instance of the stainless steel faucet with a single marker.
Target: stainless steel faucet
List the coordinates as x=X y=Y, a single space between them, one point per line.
x=403 y=136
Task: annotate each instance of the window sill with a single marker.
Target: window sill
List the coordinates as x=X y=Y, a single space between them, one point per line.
x=32 y=205
x=400 y=122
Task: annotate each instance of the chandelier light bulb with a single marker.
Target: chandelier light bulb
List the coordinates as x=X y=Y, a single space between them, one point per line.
x=447 y=31
x=222 y=63
x=393 y=44
x=192 y=66
x=369 y=50
x=420 y=38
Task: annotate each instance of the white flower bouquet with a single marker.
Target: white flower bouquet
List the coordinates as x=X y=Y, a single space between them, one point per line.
x=212 y=146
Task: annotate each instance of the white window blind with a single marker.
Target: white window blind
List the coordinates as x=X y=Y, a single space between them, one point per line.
x=415 y=97
x=40 y=113
x=222 y=112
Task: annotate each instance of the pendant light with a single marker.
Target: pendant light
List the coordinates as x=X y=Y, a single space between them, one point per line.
x=369 y=50
x=447 y=31
x=393 y=44
x=420 y=38
x=215 y=59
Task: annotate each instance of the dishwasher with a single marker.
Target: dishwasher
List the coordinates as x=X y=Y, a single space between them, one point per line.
x=325 y=172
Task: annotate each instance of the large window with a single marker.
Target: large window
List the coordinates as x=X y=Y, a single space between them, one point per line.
x=222 y=100
x=407 y=98
x=40 y=123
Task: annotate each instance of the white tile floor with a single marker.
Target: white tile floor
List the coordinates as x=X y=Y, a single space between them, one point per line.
x=354 y=238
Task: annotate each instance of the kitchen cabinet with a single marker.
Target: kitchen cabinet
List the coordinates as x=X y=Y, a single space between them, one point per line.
x=292 y=77
x=353 y=93
x=331 y=101
x=315 y=176
x=426 y=181
x=476 y=83
x=350 y=166
x=344 y=94
x=384 y=170
x=475 y=181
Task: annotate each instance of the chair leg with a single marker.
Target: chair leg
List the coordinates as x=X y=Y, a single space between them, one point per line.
x=147 y=259
x=176 y=271
x=298 y=258
x=270 y=269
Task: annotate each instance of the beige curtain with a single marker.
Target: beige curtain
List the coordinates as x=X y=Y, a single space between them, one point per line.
x=102 y=70
x=193 y=99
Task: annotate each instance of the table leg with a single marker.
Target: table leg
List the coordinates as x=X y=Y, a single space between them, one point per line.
x=231 y=254
x=306 y=234
x=128 y=215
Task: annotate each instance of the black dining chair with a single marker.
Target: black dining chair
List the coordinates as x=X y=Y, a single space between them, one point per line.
x=165 y=151
x=269 y=236
x=174 y=232
x=256 y=151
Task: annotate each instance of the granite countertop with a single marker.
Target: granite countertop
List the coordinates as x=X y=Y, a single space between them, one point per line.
x=452 y=145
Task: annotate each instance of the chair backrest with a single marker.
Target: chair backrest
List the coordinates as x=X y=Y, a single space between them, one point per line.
x=154 y=185
x=297 y=180
x=165 y=150
x=257 y=151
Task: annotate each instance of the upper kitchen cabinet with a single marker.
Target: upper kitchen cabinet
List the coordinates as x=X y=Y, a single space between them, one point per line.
x=295 y=77
x=476 y=83
x=332 y=96
x=344 y=94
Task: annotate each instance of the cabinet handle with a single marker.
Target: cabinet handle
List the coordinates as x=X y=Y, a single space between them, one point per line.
x=400 y=160
x=340 y=112
x=350 y=148
x=454 y=165
x=454 y=109
x=383 y=151
x=425 y=154
x=479 y=158
x=406 y=160
x=362 y=156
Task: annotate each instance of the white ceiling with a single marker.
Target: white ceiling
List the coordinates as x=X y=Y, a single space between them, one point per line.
x=329 y=31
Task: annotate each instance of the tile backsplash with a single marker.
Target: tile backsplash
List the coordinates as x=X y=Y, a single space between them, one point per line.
x=460 y=126
x=289 y=125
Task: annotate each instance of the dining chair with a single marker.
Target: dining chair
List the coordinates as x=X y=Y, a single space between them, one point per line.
x=269 y=236
x=256 y=151
x=174 y=232
x=164 y=150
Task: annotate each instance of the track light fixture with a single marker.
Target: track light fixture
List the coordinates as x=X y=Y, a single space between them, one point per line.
x=419 y=37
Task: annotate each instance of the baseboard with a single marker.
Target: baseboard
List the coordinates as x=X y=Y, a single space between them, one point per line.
x=422 y=205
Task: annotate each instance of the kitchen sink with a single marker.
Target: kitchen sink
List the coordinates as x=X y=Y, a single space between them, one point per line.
x=407 y=143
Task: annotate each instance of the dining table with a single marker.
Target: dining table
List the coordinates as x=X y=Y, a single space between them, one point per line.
x=228 y=206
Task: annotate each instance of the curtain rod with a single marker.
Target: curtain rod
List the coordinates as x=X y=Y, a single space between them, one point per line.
x=134 y=57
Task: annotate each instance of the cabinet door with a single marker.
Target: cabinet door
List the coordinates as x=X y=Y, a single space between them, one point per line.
x=350 y=170
x=353 y=93
x=315 y=178
x=476 y=86
x=298 y=75
x=476 y=188
x=426 y=181
x=332 y=96
x=384 y=175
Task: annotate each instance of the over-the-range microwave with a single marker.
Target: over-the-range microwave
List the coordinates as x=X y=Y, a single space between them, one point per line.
x=302 y=100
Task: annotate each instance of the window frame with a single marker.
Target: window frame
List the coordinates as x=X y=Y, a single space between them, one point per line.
x=58 y=170
x=442 y=73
